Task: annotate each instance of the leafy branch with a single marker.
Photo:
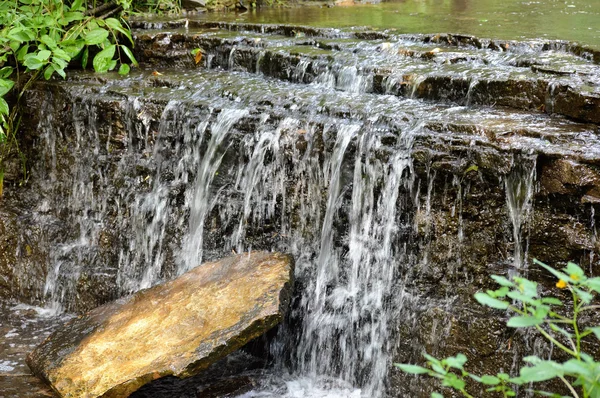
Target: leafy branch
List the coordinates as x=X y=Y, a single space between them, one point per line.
x=44 y=37
x=580 y=372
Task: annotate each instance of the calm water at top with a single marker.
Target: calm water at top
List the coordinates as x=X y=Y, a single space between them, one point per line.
x=576 y=20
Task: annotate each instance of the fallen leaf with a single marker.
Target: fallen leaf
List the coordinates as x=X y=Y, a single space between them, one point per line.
x=156 y=73
x=198 y=57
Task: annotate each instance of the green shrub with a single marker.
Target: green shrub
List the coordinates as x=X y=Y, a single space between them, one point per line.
x=580 y=373
x=42 y=38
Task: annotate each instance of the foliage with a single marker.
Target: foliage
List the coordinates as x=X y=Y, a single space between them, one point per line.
x=580 y=373
x=42 y=38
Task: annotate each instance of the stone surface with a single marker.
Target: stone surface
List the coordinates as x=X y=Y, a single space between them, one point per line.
x=178 y=328
x=22 y=253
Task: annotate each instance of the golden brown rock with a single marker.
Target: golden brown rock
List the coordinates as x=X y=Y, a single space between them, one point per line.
x=178 y=328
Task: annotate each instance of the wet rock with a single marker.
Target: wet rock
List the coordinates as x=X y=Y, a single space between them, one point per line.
x=22 y=255
x=175 y=329
x=567 y=177
x=502 y=82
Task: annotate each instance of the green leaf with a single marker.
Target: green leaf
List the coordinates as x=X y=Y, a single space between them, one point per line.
x=437 y=368
x=593 y=283
x=485 y=299
x=47 y=40
x=554 y=272
x=69 y=17
x=490 y=380
x=33 y=62
x=412 y=369
x=76 y=5
x=103 y=60
x=451 y=380
x=43 y=55
x=14 y=45
x=545 y=370
x=20 y=34
x=583 y=295
x=113 y=23
x=575 y=270
x=124 y=69
x=523 y=321
x=22 y=52
x=5 y=86
x=456 y=362
x=436 y=395
x=59 y=53
x=96 y=36
x=48 y=72
x=61 y=64
x=541 y=311
x=60 y=71
x=129 y=54
x=473 y=167
x=575 y=367
x=533 y=359
x=552 y=301
x=527 y=287
x=84 y=58
x=502 y=292
x=4 y=109
x=502 y=281
x=6 y=72
x=516 y=295
x=431 y=359
x=71 y=47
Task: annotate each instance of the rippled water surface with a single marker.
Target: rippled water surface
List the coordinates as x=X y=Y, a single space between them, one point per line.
x=577 y=20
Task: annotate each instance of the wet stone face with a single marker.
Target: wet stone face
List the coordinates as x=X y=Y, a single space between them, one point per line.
x=399 y=170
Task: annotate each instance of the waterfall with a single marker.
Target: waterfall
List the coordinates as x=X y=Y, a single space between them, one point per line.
x=519 y=185
x=348 y=311
x=370 y=161
x=200 y=202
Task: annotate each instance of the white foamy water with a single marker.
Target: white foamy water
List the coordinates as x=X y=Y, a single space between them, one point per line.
x=305 y=387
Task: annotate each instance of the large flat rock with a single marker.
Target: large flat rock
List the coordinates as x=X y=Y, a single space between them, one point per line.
x=178 y=328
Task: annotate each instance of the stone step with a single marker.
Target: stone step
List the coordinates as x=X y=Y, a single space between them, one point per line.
x=538 y=77
x=500 y=129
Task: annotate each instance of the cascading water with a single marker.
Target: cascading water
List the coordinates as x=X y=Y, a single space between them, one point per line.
x=200 y=203
x=520 y=184
x=321 y=159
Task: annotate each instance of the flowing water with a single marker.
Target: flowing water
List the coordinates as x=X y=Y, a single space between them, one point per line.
x=349 y=150
x=509 y=19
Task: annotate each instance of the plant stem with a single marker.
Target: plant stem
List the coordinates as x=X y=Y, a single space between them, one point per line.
x=556 y=342
x=569 y=386
x=575 y=327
